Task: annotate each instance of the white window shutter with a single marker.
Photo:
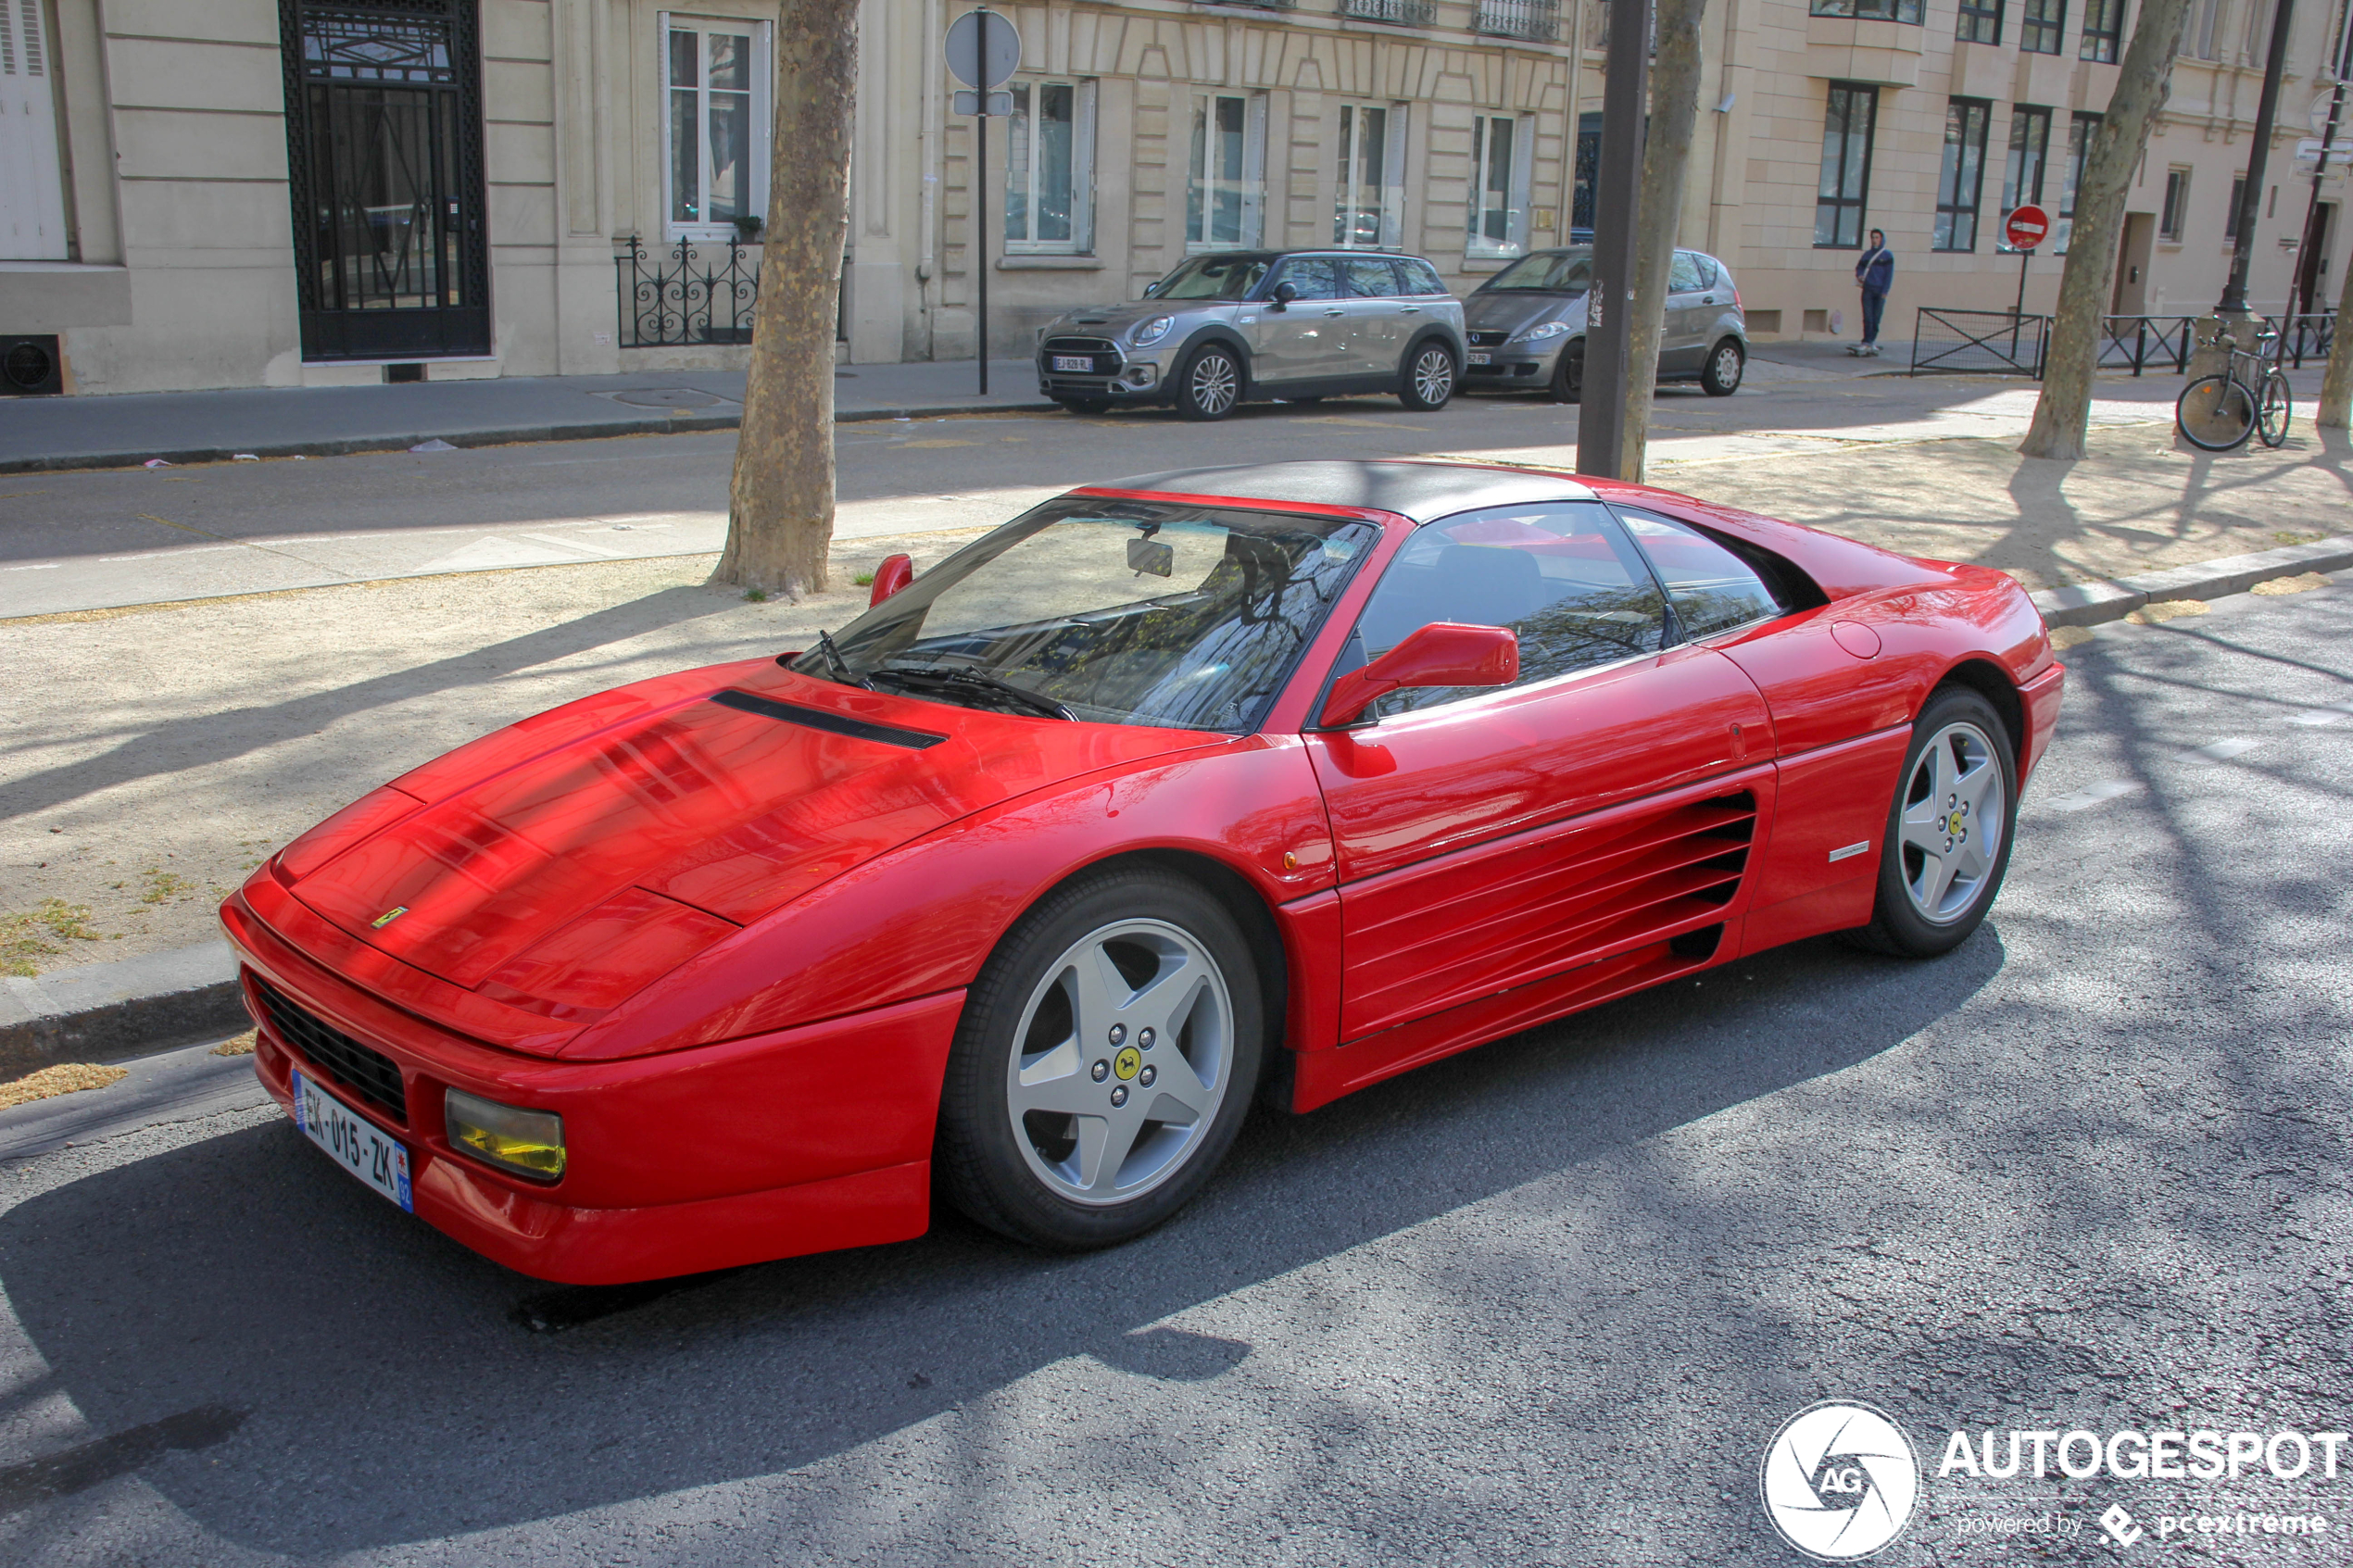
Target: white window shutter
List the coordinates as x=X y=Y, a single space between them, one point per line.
x=1082 y=170
x=32 y=209
x=763 y=114
x=1392 y=196
x=1523 y=173
x=1254 y=171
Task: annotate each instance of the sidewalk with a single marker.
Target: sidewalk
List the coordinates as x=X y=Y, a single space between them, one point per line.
x=42 y=433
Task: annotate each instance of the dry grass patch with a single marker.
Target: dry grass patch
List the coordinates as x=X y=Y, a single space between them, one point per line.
x=241 y=1045
x=2168 y=609
x=27 y=938
x=2302 y=583
x=66 y=1078
x=2070 y=636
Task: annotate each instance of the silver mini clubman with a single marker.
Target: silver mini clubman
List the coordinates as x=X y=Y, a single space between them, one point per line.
x=1527 y=325
x=1230 y=326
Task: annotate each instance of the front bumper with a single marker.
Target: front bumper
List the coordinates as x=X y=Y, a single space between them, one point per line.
x=1115 y=375
x=801 y=1140
x=1515 y=365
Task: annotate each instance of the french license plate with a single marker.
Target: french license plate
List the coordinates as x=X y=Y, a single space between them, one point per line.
x=353 y=1141
x=1477 y=358
x=1082 y=363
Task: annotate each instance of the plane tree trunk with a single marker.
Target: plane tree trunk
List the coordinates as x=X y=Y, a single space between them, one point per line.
x=1667 y=159
x=2143 y=81
x=780 y=502
x=2336 y=385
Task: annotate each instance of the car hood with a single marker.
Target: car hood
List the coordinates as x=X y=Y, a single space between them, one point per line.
x=1112 y=320
x=626 y=844
x=1512 y=310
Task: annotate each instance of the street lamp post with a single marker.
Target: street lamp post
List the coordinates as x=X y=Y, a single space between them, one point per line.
x=2251 y=195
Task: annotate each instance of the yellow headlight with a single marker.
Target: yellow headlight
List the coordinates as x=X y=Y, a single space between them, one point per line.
x=529 y=1143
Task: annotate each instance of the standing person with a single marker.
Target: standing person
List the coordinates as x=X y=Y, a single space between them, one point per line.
x=1876 y=272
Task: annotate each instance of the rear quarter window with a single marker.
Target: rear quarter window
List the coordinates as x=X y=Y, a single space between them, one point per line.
x=1717 y=584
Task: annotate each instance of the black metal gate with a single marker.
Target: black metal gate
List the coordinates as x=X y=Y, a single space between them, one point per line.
x=384 y=132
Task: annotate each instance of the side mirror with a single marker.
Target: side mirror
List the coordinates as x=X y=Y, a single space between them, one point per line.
x=1285 y=293
x=895 y=574
x=1151 y=289
x=1441 y=654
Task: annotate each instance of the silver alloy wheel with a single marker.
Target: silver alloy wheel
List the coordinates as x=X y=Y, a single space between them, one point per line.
x=1214 y=384
x=1122 y=1058
x=1955 y=813
x=1727 y=366
x=1434 y=376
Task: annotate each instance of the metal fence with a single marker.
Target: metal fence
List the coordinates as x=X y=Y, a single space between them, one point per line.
x=1539 y=22
x=2305 y=337
x=2000 y=342
x=2143 y=341
x=692 y=293
x=1403 y=13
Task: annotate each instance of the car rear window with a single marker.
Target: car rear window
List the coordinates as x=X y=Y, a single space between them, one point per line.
x=1420 y=276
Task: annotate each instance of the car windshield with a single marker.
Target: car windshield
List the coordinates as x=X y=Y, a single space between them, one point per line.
x=1547 y=271
x=1213 y=277
x=1121 y=612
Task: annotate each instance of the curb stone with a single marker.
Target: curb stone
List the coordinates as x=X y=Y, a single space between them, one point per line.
x=671 y=424
x=136 y=1007
x=2093 y=604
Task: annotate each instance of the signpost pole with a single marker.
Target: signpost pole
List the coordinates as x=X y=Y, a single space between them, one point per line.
x=983 y=49
x=981 y=231
x=2017 y=315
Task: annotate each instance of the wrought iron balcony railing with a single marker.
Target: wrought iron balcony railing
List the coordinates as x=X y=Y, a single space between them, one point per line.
x=1402 y=13
x=1539 y=22
x=691 y=293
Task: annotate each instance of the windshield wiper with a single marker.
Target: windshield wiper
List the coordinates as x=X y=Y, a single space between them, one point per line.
x=839 y=665
x=962 y=678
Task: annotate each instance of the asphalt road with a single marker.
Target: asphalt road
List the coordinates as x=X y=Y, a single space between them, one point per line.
x=1543 y=1303
x=87 y=539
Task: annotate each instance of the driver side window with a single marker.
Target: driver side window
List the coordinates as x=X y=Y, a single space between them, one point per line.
x=1314 y=278
x=1561 y=574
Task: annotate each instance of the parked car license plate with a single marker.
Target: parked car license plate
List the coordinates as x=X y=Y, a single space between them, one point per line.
x=353 y=1140
x=1082 y=363
x=1477 y=358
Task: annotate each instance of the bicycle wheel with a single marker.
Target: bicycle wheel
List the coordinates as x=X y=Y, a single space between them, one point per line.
x=2272 y=413
x=2215 y=414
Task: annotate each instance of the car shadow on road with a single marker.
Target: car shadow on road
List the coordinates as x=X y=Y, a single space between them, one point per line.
x=382 y=1378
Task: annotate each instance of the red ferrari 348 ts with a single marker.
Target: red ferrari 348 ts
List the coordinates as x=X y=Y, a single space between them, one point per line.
x=1169 y=795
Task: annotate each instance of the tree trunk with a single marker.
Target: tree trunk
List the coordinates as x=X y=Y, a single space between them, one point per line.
x=780 y=503
x=1667 y=159
x=2336 y=385
x=2143 y=81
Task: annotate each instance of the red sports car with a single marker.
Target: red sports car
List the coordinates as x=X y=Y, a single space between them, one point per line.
x=1169 y=795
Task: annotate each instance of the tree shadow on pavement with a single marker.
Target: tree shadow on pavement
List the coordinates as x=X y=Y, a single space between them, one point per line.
x=389 y=1387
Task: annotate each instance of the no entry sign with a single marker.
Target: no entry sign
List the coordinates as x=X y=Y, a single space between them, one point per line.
x=2027 y=228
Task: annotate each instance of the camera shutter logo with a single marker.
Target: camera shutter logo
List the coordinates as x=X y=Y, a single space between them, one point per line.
x=1839 y=1481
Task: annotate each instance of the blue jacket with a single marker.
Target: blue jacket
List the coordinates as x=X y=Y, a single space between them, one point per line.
x=1876 y=271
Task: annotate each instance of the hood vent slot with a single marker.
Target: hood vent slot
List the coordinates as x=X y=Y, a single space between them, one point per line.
x=832 y=723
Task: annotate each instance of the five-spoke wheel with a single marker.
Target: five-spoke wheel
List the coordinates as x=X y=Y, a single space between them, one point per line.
x=1211 y=383
x=1429 y=378
x=1107 y=1056
x=1948 y=840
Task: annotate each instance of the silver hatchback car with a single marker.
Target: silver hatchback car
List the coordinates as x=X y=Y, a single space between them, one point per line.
x=1527 y=325
x=1235 y=325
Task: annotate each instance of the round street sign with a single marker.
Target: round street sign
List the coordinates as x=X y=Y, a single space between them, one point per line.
x=2027 y=228
x=983 y=49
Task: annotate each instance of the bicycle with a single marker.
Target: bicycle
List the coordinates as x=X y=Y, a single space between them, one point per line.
x=2218 y=413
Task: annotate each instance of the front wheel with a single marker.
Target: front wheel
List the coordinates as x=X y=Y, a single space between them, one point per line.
x=2215 y=414
x=1725 y=363
x=1429 y=378
x=1106 y=1058
x=1211 y=385
x=1948 y=840
x=1568 y=376
x=2277 y=407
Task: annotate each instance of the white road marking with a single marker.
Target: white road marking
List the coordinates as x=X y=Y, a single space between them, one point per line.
x=2220 y=751
x=38 y=565
x=2094 y=794
x=577 y=544
x=2317 y=716
x=175 y=555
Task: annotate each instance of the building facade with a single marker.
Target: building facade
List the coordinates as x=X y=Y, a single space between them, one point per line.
x=282 y=193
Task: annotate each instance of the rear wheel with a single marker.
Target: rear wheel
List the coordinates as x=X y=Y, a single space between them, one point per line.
x=2215 y=414
x=2276 y=408
x=1106 y=1058
x=1947 y=842
x=1725 y=363
x=1568 y=376
x=1211 y=385
x=1429 y=378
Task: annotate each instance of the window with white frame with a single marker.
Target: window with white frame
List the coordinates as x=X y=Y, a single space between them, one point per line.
x=717 y=76
x=1049 y=168
x=1368 y=211
x=1501 y=153
x=32 y=214
x=1226 y=197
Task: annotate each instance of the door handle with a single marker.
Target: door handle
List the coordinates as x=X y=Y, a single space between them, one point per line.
x=1410 y=310
x=1707 y=299
x=1335 y=312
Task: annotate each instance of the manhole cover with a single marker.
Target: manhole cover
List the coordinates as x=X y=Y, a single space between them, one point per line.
x=668 y=397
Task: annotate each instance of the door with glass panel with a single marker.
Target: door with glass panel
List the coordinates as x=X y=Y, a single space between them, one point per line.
x=1224 y=194
x=383 y=130
x=717 y=110
x=1366 y=214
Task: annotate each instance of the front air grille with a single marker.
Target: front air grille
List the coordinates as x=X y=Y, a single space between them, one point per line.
x=1487 y=339
x=1103 y=358
x=1078 y=345
x=372 y=1076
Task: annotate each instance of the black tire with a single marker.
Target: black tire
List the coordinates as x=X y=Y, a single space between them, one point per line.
x=1086 y=405
x=996 y=1168
x=2214 y=414
x=1725 y=363
x=1568 y=375
x=1427 y=379
x=1211 y=385
x=1900 y=925
x=2274 y=409
x=1303 y=402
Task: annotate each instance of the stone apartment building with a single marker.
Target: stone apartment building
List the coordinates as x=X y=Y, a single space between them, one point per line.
x=289 y=193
